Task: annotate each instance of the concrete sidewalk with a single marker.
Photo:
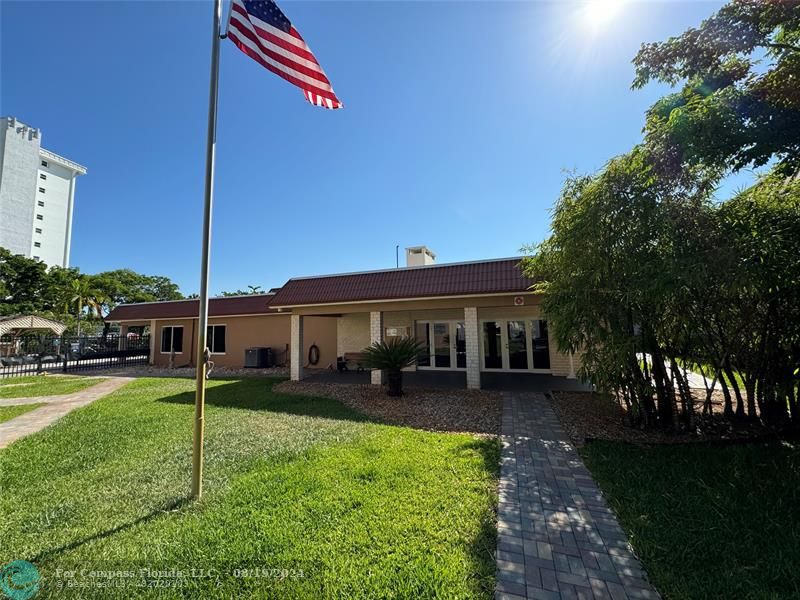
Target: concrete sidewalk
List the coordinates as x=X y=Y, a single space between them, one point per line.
x=55 y=408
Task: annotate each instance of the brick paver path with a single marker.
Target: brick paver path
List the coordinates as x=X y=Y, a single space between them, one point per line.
x=557 y=538
x=55 y=408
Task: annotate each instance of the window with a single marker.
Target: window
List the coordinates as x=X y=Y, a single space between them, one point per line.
x=172 y=339
x=40 y=217
x=42 y=190
x=37 y=244
x=40 y=203
x=215 y=339
x=43 y=176
x=44 y=163
x=35 y=258
x=38 y=230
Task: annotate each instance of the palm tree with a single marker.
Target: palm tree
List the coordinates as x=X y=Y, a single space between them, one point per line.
x=393 y=356
x=82 y=294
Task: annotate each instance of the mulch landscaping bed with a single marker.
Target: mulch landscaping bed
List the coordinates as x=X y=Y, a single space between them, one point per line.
x=589 y=415
x=451 y=411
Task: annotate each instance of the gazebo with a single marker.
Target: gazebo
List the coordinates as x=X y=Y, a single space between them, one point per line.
x=17 y=325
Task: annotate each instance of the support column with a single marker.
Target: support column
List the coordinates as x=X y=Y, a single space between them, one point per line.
x=296 y=348
x=376 y=335
x=473 y=347
x=154 y=342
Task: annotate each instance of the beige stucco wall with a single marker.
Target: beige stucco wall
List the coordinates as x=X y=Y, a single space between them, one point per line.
x=352 y=333
x=353 y=328
x=252 y=331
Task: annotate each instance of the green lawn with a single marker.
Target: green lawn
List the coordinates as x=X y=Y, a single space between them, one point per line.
x=44 y=385
x=9 y=412
x=708 y=521
x=339 y=506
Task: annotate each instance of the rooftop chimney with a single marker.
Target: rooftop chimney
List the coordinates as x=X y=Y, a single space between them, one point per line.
x=419 y=256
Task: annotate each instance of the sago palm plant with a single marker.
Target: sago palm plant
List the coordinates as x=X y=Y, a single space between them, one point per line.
x=393 y=356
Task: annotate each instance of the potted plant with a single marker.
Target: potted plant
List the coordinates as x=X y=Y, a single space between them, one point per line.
x=393 y=356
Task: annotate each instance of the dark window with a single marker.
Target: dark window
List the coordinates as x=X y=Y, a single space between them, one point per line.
x=171 y=339
x=37 y=244
x=38 y=230
x=215 y=338
x=41 y=190
x=541 y=345
x=40 y=203
x=35 y=258
x=44 y=163
x=42 y=176
x=492 y=345
x=40 y=217
x=461 y=346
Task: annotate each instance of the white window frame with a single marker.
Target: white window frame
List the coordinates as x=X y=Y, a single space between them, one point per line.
x=171 y=339
x=209 y=345
x=452 y=325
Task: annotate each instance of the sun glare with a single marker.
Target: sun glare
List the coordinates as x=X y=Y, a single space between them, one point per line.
x=598 y=13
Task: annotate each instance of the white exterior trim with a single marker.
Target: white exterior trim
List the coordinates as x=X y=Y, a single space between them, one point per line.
x=414 y=299
x=225 y=325
x=172 y=339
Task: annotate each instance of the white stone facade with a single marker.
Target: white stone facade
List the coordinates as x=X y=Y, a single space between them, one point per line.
x=296 y=348
x=37 y=195
x=376 y=335
x=472 y=336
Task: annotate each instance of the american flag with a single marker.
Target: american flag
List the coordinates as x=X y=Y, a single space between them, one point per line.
x=261 y=30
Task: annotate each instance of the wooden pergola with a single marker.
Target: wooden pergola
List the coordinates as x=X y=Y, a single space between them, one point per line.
x=18 y=325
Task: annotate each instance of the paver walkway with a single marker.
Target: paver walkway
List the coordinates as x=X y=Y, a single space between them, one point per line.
x=557 y=538
x=55 y=408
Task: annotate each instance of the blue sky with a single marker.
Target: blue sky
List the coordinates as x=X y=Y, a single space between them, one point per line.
x=460 y=121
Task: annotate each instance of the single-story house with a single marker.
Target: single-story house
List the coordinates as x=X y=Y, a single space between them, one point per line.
x=235 y=323
x=473 y=317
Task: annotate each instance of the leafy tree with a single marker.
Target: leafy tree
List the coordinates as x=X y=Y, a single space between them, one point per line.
x=124 y=286
x=28 y=286
x=740 y=101
x=23 y=283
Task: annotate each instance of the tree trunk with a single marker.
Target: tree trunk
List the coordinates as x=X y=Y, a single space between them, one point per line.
x=394 y=382
x=732 y=382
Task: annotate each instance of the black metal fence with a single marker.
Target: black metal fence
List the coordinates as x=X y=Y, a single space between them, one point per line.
x=32 y=354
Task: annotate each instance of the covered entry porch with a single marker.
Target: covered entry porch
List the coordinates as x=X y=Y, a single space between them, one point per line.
x=490 y=342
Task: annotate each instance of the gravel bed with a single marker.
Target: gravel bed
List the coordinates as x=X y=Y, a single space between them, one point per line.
x=476 y=412
x=588 y=415
x=188 y=372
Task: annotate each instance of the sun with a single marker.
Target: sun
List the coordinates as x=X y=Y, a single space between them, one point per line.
x=598 y=13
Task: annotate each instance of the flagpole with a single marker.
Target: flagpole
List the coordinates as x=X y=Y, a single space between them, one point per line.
x=205 y=259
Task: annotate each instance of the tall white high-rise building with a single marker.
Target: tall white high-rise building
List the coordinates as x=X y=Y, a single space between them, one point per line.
x=37 y=195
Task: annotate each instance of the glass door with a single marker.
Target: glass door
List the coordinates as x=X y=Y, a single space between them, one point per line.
x=461 y=346
x=517 y=345
x=492 y=345
x=444 y=344
x=441 y=345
